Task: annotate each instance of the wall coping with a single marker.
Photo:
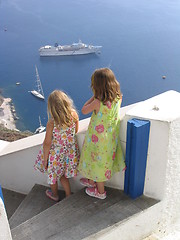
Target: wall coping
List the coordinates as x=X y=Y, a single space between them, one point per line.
x=163 y=107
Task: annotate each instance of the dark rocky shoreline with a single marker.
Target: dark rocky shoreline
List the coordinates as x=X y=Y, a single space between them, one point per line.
x=12 y=135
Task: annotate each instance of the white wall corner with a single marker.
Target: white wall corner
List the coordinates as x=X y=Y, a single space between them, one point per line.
x=5 y=233
x=172 y=181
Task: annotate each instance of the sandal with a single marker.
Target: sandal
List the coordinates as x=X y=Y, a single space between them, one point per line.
x=93 y=192
x=85 y=182
x=49 y=194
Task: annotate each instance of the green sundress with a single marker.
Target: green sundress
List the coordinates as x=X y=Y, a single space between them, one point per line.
x=101 y=154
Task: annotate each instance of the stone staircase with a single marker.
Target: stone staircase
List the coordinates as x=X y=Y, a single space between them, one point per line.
x=34 y=203
x=76 y=217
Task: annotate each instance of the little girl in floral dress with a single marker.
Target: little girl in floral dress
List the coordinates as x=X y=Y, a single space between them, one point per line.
x=59 y=155
x=101 y=154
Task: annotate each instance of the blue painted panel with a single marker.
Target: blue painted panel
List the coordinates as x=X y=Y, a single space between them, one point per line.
x=1 y=194
x=127 y=160
x=136 y=156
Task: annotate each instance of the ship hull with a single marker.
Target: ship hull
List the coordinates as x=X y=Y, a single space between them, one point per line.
x=56 y=51
x=37 y=94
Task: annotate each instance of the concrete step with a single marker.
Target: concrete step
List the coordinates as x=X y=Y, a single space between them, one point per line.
x=34 y=203
x=80 y=216
x=12 y=200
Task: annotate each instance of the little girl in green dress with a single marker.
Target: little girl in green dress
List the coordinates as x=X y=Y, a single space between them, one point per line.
x=101 y=154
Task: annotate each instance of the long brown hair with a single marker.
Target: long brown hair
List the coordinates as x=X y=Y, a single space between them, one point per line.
x=60 y=107
x=105 y=86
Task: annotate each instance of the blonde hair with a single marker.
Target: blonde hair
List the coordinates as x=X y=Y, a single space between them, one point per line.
x=105 y=86
x=60 y=107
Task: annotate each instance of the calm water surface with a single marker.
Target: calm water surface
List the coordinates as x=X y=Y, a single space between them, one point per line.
x=140 y=39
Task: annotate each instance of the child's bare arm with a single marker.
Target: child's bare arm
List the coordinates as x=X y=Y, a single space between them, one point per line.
x=77 y=125
x=91 y=105
x=75 y=115
x=89 y=101
x=47 y=141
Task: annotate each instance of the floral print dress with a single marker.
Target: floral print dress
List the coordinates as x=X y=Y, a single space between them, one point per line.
x=63 y=155
x=101 y=154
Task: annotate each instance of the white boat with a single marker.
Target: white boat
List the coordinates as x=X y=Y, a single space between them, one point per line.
x=68 y=50
x=39 y=92
x=41 y=128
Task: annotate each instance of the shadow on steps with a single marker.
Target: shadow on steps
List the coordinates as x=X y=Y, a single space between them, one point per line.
x=34 y=203
x=12 y=200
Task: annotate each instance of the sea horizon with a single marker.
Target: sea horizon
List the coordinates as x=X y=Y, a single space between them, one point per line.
x=139 y=39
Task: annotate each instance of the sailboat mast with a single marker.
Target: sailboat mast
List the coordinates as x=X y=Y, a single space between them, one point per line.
x=40 y=121
x=39 y=86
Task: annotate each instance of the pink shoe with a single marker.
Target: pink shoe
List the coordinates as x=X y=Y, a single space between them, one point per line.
x=85 y=182
x=93 y=192
x=49 y=194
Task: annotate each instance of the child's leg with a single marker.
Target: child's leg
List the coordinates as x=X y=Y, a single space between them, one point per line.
x=53 y=193
x=100 y=187
x=91 y=182
x=87 y=182
x=54 y=189
x=66 y=185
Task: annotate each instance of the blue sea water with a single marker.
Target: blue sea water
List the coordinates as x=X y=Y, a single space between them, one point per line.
x=140 y=39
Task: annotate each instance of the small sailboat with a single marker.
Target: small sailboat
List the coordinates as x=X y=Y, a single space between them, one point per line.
x=39 y=92
x=41 y=128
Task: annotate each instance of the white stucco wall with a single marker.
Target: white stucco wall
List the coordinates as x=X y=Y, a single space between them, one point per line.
x=5 y=233
x=171 y=199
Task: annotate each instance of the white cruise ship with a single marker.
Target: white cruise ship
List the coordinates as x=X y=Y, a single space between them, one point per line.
x=68 y=50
